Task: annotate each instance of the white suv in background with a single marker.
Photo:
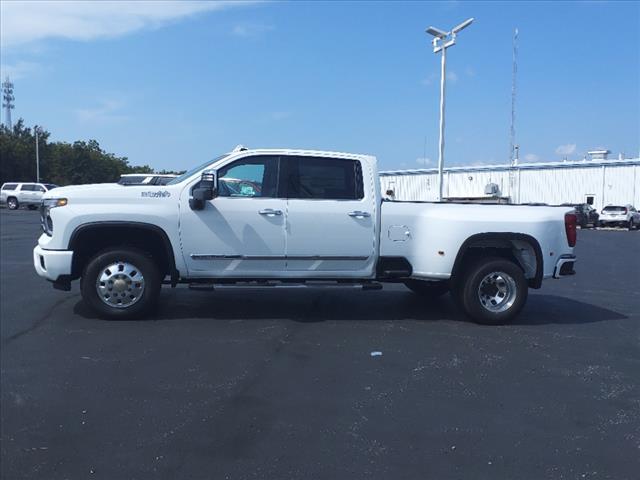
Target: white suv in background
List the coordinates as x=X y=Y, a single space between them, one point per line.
x=16 y=194
x=624 y=215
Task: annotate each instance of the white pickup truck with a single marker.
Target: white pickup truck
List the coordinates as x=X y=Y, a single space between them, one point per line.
x=282 y=217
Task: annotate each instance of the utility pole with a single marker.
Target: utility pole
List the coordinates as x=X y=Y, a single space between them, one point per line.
x=7 y=101
x=441 y=41
x=513 y=147
x=512 y=153
x=37 y=131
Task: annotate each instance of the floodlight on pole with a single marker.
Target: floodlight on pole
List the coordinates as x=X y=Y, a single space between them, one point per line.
x=441 y=41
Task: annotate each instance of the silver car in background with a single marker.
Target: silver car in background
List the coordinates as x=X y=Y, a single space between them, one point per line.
x=617 y=215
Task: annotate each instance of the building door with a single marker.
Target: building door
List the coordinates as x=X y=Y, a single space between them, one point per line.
x=590 y=199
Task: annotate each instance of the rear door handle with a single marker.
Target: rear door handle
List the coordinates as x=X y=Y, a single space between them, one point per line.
x=270 y=211
x=358 y=213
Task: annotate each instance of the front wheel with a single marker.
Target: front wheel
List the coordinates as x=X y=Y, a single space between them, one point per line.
x=493 y=291
x=121 y=283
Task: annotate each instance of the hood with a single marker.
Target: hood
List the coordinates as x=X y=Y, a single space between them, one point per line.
x=73 y=190
x=110 y=192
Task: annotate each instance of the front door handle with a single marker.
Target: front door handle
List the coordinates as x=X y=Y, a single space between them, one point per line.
x=358 y=213
x=270 y=211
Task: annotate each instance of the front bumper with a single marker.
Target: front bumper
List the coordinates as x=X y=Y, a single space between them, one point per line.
x=52 y=264
x=564 y=266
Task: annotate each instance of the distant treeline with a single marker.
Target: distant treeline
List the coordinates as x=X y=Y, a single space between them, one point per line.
x=61 y=163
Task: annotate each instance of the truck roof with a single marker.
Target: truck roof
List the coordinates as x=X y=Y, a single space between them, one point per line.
x=303 y=152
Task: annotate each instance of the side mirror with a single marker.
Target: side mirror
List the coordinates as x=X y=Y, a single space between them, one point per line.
x=207 y=190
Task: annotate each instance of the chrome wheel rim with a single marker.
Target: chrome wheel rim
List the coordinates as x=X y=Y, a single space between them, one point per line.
x=497 y=292
x=12 y=203
x=120 y=284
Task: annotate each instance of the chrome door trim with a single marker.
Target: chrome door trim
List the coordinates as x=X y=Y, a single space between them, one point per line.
x=206 y=256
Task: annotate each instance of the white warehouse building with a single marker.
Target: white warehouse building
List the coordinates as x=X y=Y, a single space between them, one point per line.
x=598 y=182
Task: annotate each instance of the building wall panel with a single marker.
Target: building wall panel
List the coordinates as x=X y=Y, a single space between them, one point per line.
x=617 y=183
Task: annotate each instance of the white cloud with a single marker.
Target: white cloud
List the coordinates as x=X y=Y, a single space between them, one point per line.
x=108 y=110
x=531 y=157
x=470 y=72
x=424 y=161
x=23 y=22
x=567 y=149
x=18 y=70
x=251 y=29
x=452 y=76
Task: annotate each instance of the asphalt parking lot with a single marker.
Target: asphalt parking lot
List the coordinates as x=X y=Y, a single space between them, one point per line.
x=276 y=383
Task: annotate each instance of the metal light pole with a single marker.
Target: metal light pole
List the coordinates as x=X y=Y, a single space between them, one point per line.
x=37 y=131
x=441 y=41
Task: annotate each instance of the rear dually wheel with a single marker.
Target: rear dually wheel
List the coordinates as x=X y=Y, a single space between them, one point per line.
x=493 y=291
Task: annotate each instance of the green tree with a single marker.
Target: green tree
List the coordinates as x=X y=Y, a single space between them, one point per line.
x=61 y=163
x=18 y=152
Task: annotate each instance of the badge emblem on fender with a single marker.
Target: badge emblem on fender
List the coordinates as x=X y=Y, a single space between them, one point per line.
x=158 y=194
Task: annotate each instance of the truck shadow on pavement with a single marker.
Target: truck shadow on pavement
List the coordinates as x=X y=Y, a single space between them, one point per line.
x=308 y=305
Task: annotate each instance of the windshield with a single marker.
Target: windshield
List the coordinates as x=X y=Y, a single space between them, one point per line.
x=189 y=173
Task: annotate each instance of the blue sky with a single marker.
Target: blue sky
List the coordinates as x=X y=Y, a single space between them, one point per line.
x=171 y=85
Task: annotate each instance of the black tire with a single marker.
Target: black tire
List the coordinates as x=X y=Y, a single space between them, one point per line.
x=427 y=289
x=32 y=207
x=144 y=303
x=510 y=276
x=12 y=203
x=630 y=224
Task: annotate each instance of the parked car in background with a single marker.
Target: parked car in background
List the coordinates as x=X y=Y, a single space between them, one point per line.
x=17 y=194
x=586 y=214
x=145 y=179
x=624 y=216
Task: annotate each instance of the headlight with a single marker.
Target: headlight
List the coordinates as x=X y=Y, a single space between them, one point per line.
x=54 y=202
x=45 y=208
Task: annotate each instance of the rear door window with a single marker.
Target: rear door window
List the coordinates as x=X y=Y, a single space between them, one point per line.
x=28 y=188
x=324 y=178
x=9 y=186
